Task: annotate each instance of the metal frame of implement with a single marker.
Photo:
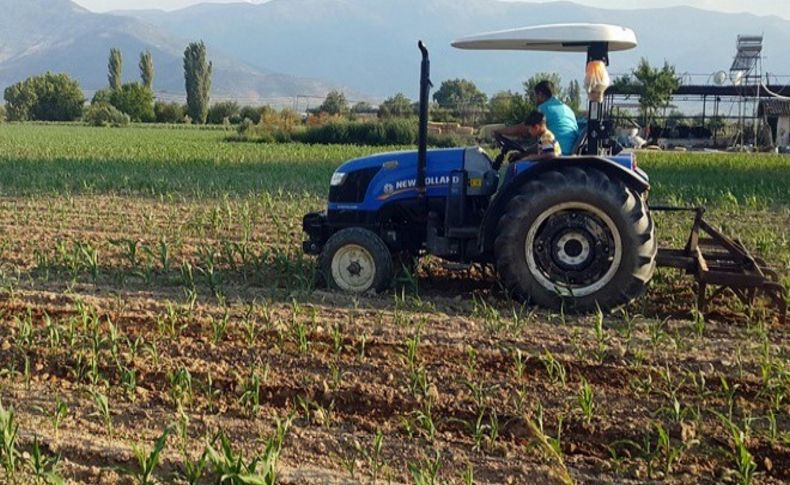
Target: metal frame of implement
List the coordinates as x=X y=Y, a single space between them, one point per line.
x=723 y=263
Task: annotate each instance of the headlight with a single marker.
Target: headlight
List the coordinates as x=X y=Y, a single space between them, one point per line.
x=338 y=178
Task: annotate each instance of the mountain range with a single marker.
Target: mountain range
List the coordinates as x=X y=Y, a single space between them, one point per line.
x=366 y=47
x=57 y=35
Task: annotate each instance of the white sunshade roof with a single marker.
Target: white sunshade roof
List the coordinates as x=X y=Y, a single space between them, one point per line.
x=556 y=38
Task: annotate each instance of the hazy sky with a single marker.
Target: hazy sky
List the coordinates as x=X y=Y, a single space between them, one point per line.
x=759 y=7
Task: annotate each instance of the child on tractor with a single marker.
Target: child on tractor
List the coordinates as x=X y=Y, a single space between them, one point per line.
x=547 y=147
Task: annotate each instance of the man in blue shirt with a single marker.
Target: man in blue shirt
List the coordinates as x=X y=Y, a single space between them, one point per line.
x=560 y=119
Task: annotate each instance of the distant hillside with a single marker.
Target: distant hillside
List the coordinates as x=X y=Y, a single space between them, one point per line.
x=369 y=45
x=57 y=35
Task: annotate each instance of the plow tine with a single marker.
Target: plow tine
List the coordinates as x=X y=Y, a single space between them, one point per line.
x=717 y=261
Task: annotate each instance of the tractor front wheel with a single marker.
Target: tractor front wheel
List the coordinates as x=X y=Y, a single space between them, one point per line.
x=356 y=260
x=576 y=238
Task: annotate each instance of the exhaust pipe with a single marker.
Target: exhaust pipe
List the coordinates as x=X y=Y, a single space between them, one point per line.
x=422 y=142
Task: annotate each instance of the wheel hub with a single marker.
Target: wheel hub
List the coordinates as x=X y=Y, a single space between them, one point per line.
x=353 y=268
x=573 y=248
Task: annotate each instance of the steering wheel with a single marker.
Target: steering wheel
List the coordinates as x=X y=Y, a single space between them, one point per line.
x=506 y=146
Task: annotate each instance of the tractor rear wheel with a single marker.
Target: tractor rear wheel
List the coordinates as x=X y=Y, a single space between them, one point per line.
x=356 y=260
x=576 y=238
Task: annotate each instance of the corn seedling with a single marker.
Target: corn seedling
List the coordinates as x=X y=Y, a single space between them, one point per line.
x=43 y=468
x=210 y=392
x=301 y=337
x=554 y=368
x=164 y=254
x=337 y=339
x=251 y=330
x=424 y=422
x=8 y=434
x=362 y=347
x=468 y=477
x=336 y=376
x=657 y=333
x=180 y=386
x=251 y=390
x=102 y=404
x=477 y=429
x=192 y=470
x=698 y=322
x=481 y=393
x=411 y=349
x=728 y=393
x=373 y=455
x=550 y=446
x=519 y=400
x=219 y=327
x=148 y=459
x=59 y=414
x=670 y=452
x=601 y=339
x=492 y=318
x=233 y=469
x=427 y=472
x=314 y=412
x=519 y=364
x=745 y=465
x=585 y=400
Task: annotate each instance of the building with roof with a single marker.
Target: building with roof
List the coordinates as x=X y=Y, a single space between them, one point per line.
x=776 y=113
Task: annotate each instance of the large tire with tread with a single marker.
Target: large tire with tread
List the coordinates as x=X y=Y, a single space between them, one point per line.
x=357 y=261
x=578 y=239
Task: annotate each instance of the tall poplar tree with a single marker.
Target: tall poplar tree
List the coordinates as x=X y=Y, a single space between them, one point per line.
x=147 y=69
x=115 y=68
x=197 y=74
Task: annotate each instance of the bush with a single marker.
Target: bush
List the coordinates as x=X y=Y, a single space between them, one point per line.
x=169 y=112
x=2 y=113
x=264 y=133
x=102 y=96
x=136 y=100
x=391 y=132
x=48 y=97
x=251 y=113
x=450 y=141
x=104 y=114
x=226 y=110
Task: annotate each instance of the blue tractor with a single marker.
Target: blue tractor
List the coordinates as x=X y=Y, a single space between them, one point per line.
x=574 y=231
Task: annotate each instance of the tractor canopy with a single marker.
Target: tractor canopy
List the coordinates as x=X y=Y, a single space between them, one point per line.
x=553 y=38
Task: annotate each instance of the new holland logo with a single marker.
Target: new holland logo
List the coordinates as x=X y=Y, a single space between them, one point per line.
x=429 y=182
x=408 y=184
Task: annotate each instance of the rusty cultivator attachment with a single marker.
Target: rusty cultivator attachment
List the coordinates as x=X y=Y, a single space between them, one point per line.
x=721 y=263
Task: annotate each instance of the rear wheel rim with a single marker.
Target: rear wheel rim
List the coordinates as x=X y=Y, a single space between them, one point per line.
x=353 y=268
x=573 y=249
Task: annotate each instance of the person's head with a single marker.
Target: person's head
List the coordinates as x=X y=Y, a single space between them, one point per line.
x=543 y=91
x=536 y=124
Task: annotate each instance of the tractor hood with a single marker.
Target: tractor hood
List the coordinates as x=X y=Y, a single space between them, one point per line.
x=392 y=176
x=394 y=160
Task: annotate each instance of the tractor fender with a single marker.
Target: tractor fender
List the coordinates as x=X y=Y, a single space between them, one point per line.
x=630 y=178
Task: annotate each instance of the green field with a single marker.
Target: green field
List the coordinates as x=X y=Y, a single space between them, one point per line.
x=748 y=194
x=152 y=281
x=190 y=162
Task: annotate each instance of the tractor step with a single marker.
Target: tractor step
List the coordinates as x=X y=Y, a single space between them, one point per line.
x=722 y=264
x=463 y=232
x=456 y=266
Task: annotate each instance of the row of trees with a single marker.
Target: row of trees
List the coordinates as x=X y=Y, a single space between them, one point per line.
x=57 y=97
x=136 y=99
x=460 y=100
